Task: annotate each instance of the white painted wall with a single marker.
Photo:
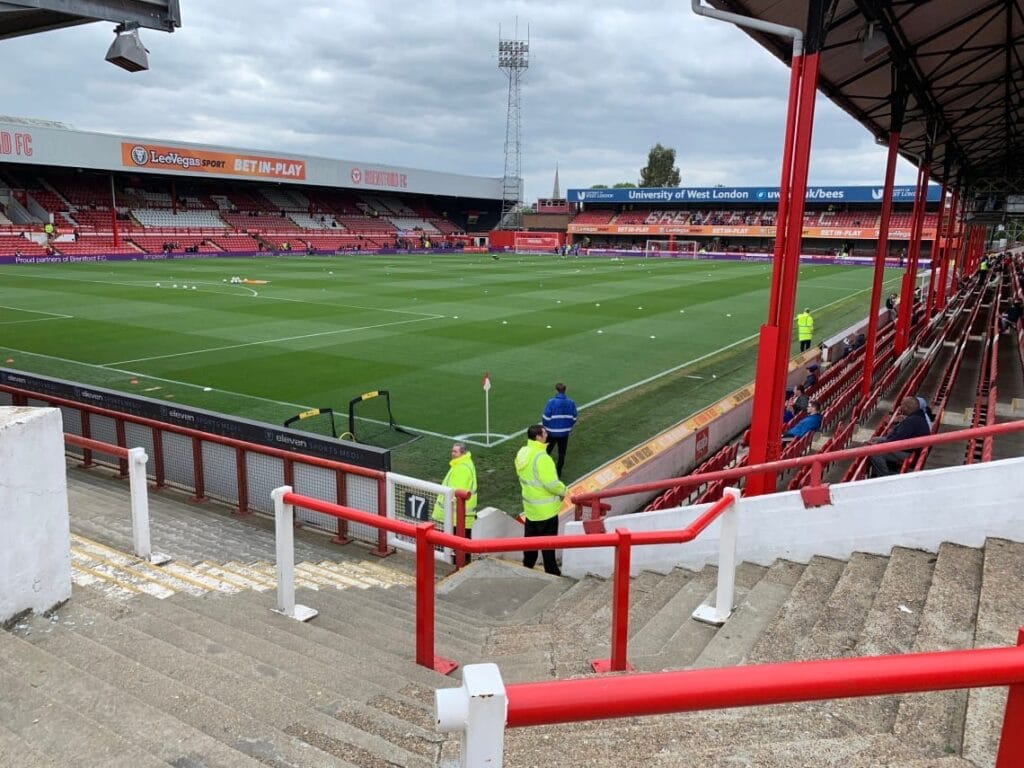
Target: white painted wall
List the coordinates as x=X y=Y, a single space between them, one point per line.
x=962 y=504
x=35 y=537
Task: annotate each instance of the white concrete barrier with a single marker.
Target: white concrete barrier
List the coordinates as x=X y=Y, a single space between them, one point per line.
x=35 y=548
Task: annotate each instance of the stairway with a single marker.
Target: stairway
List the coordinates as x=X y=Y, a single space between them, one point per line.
x=186 y=665
x=212 y=677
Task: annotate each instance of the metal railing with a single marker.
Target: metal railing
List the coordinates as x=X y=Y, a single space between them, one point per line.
x=815 y=493
x=136 y=459
x=483 y=706
x=426 y=537
x=226 y=469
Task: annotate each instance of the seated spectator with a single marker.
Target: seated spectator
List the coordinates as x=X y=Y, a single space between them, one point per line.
x=1011 y=317
x=913 y=423
x=811 y=422
x=796 y=404
x=812 y=375
x=859 y=341
x=929 y=417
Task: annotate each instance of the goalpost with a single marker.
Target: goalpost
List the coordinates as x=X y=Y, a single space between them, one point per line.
x=674 y=249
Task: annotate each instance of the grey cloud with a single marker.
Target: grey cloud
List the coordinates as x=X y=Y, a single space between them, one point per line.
x=417 y=84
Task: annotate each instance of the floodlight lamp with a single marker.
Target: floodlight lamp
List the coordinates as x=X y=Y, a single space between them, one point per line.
x=127 y=50
x=873 y=42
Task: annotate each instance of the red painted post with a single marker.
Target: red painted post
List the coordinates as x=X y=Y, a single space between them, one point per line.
x=341 y=535
x=159 y=476
x=425 y=603
x=87 y=434
x=424 y=597
x=460 y=530
x=906 y=316
x=122 y=441
x=620 y=603
x=1011 y=741
x=198 y=472
x=242 y=481
x=938 y=249
x=947 y=247
x=382 y=510
x=881 y=251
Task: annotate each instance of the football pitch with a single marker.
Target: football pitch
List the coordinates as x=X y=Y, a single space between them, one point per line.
x=322 y=330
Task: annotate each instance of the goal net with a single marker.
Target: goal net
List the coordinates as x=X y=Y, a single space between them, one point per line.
x=676 y=249
x=371 y=421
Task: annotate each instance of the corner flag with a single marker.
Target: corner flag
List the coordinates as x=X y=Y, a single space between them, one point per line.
x=487 y=406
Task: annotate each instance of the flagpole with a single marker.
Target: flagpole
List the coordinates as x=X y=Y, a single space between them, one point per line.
x=487 y=407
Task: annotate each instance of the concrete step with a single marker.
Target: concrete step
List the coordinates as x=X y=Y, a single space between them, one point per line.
x=69 y=737
x=251 y=612
x=639 y=741
x=650 y=639
x=890 y=627
x=838 y=628
x=16 y=751
x=734 y=640
x=578 y=602
x=386 y=627
x=326 y=689
x=799 y=613
x=1000 y=608
x=267 y=699
x=156 y=732
x=649 y=599
x=859 y=751
x=231 y=723
x=935 y=721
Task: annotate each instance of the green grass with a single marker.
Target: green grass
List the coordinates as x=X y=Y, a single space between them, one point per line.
x=640 y=344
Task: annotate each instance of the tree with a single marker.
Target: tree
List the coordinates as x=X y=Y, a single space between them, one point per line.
x=661 y=170
x=599 y=186
x=624 y=185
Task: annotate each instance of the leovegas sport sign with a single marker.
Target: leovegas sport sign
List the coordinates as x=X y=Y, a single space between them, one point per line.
x=156 y=157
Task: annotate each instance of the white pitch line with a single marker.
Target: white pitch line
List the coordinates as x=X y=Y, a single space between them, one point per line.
x=270 y=341
x=54 y=315
x=696 y=360
x=252 y=292
x=36 y=320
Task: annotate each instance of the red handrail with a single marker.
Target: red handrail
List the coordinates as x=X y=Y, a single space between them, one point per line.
x=564 y=701
x=816 y=461
x=96 y=445
x=427 y=537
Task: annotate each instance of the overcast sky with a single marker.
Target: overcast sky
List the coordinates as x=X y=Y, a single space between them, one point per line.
x=417 y=84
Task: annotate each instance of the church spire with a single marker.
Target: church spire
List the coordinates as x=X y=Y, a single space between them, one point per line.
x=556 y=194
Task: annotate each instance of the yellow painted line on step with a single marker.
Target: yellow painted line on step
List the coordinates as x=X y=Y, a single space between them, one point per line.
x=127 y=571
x=233 y=577
x=312 y=573
x=248 y=572
x=385 y=575
x=270 y=570
x=355 y=572
x=198 y=579
x=126 y=586
x=336 y=578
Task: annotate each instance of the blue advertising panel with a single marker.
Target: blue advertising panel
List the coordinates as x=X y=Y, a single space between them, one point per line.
x=755 y=195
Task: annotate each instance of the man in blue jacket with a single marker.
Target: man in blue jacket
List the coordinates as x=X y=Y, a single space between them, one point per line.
x=559 y=418
x=913 y=424
x=809 y=423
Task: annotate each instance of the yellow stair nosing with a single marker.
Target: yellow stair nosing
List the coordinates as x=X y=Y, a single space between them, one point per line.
x=129 y=569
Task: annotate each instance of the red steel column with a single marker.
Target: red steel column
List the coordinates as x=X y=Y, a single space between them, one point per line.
x=881 y=251
x=938 y=254
x=947 y=249
x=774 y=350
x=906 y=313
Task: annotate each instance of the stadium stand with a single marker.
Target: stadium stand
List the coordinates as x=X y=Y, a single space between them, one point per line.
x=10 y=243
x=594 y=217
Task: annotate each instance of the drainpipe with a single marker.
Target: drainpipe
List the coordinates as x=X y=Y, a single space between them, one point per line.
x=746 y=21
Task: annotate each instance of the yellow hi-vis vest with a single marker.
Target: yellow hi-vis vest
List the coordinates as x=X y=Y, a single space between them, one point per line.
x=804 y=326
x=462 y=477
x=538 y=478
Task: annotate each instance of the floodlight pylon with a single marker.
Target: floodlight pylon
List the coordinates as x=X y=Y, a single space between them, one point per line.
x=513 y=60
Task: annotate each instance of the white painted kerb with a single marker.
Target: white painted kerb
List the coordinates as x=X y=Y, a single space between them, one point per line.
x=35 y=536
